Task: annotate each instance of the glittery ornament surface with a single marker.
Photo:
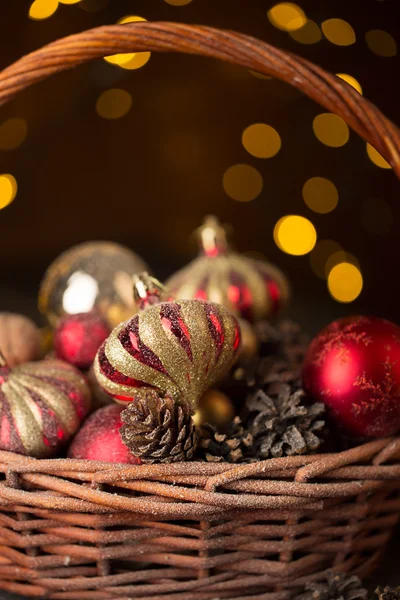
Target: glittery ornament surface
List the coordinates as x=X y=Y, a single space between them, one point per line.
x=353 y=366
x=94 y=275
x=78 y=337
x=252 y=289
x=177 y=347
x=42 y=405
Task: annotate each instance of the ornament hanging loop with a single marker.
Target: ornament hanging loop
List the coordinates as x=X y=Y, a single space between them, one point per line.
x=212 y=237
x=147 y=290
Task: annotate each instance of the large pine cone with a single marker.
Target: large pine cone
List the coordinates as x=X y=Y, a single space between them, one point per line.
x=156 y=429
x=335 y=587
x=233 y=444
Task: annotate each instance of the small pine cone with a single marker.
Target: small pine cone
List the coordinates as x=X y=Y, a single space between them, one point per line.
x=157 y=430
x=335 y=587
x=283 y=424
x=388 y=593
x=231 y=445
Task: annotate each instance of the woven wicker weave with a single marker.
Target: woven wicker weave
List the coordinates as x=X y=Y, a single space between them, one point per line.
x=79 y=530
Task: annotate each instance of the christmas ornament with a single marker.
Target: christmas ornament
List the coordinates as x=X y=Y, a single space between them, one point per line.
x=42 y=405
x=78 y=337
x=99 y=438
x=353 y=366
x=94 y=275
x=20 y=339
x=178 y=347
x=215 y=408
x=147 y=291
x=232 y=444
x=156 y=429
x=100 y=398
x=335 y=586
x=249 y=343
x=252 y=289
x=283 y=424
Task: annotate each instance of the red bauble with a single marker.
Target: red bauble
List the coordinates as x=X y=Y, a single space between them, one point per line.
x=99 y=438
x=78 y=337
x=353 y=366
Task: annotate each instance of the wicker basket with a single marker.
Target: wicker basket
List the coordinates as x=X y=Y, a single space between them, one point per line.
x=72 y=529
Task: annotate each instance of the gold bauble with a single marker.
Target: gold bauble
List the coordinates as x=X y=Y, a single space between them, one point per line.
x=249 y=343
x=93 y=275
x=215 y=408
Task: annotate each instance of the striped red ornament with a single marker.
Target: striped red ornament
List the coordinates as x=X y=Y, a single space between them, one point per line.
x=42 y=404
x=178 y=347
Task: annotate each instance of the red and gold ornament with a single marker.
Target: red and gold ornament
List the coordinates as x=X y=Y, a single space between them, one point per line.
x=353 y=366
x=99 y=438
x=249 y=288
x=178 y=347
x=78 y=337
x=42 y=404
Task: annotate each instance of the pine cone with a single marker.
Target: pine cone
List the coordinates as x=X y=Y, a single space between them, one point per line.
x=157 y=429
x=335 y=587
x=388 y=593
x=232 y=445
x=282 y=423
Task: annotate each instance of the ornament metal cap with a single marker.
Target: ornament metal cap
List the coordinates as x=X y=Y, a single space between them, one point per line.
x=147 y=290
x=212 y=237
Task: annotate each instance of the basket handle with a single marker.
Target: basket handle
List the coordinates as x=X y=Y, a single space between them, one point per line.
x=323 y=87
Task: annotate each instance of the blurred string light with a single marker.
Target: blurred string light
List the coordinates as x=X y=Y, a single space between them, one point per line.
x=261 y=140
x=338 y=257
x=377 y=158
x=381 y=43
x=345 y=282
x=12 y=133
x=310 y=33
x=320 y=195
x=351 y=81
x=69 y=1
x=338 y=32
x=42 y=9
x=8 y=189
x=320 y=255
x=178 y=2
x=242 y=182
x=114 y=103
x=331 y=130
x=287 y=16
x=376 y=216
x=129 y=60
x=295 y=235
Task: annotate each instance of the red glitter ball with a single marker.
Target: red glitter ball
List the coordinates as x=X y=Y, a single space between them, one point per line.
x=99 y=438
x=78 y=337
x=353 y=367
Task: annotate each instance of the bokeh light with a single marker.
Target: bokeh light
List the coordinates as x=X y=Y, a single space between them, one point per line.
x=69 y=1
x=287 y=16
x=310 y=33
x=351 y=81
x=295 y=235
x=320 y=195
x=376 y=216
x=338 y=32
x=129 y=60
x=8 y=189
x=381 y=43
x=261 y=140
x=113 y=104
x=42 y=9
x=331 y=130
x=377 y=158
x=337 y=257
x=178 y=2
x=242 y=182
x=345 y=282
x=320 y=255
x=12 y=133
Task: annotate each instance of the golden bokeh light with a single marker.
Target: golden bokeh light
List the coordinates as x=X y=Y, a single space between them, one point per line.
x=376 y=216
x=381 y=43
x=129 y=60
x=310 y=33
x=331 y=130
x=338 y=32
x=345 y=282
x=114 y=103
x=351 y=81
x=320 y=195
x=69 y=1
x=320 y=254
x=337 y=257
x=42 y=9
x=178 y=2
x=12 y=133
x=287 y=16
x=8 y=189
x=242 y=182
x=261 y=140
x=377 y=158
x=295 y=235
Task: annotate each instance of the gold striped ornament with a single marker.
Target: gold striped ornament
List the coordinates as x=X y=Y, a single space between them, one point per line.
x=251 y=289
